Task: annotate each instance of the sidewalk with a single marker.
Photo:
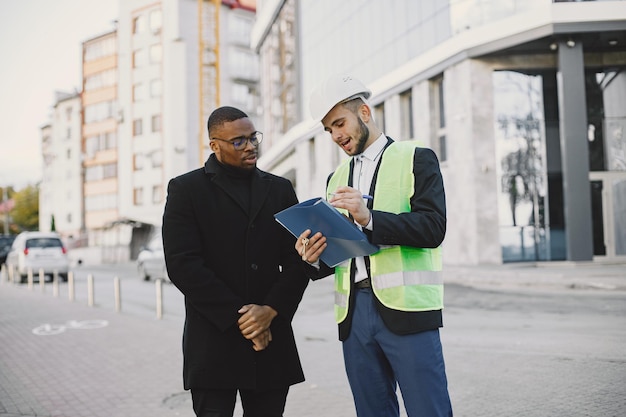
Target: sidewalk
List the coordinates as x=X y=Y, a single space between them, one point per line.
x=132 y=366
x=545 y=275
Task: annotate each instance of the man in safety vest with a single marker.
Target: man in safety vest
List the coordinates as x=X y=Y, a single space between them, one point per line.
x=387 y=305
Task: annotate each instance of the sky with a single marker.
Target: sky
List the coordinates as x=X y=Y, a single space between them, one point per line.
x=40 y=50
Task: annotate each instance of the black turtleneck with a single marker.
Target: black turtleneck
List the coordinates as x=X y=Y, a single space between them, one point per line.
x=240 y=182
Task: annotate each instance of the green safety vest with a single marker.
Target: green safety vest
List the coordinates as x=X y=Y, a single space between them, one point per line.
x=404 y=278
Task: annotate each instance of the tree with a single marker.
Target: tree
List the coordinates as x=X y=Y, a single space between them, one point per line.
x=6 y=205
x=53 y=227
x=25 y=213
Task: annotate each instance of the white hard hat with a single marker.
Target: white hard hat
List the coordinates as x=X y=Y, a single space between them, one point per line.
x=336 y=89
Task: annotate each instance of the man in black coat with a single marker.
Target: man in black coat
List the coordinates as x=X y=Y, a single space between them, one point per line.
x=238 y=271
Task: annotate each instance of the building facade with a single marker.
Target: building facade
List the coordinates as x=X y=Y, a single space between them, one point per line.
x=523 y=102
x=100 y=153
x=60 y=192
x=148 y=87
x=178 y=61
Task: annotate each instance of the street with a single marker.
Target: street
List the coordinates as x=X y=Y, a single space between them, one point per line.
x=509 y=351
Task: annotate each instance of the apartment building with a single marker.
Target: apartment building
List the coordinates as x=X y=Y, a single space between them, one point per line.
x=178 y=61
x=100 y=141
x=523 y=102
x=60 y=193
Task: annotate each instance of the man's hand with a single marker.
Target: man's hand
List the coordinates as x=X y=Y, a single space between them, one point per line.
x=310 y=247
x=261 y=341
x=255 y=320
x=352 y=200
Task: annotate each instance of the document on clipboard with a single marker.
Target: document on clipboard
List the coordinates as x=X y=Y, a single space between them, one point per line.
x=343 y=238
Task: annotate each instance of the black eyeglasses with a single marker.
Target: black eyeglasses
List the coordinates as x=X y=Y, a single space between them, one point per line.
x=241 y=142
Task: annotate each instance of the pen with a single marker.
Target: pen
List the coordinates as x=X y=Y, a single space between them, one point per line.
x=365 y=196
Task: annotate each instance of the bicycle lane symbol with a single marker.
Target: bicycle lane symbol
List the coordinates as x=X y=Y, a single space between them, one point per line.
x=48 y=329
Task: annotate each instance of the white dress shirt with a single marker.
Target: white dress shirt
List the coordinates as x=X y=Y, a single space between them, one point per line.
x=362 y=175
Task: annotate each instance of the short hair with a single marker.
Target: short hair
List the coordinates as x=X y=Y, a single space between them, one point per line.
x=355 y=104
x=223 y=115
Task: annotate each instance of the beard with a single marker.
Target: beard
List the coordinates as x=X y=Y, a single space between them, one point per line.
x=364 y=134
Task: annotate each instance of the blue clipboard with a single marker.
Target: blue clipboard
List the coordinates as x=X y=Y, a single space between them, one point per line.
x=344 y=239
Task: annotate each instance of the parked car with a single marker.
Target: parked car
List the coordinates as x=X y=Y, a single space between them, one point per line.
x=151 y=259
x=5 y=245
x=35 y=251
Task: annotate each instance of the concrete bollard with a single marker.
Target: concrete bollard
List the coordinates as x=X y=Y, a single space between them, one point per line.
x=70 y=286
x=30 y=279
x=90 y=291
x=4 y=275
x=42 y=280
x=55 y=283
x=118 y=294
x=159 y=298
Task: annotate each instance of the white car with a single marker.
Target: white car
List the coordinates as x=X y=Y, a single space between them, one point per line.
x=151 y=260
x=35 y=251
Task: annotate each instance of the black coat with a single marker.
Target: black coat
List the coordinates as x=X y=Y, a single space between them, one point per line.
x=222 y=256
x=423 y=227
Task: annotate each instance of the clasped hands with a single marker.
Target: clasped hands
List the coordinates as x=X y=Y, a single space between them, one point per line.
x=254 y=324
x=311 y=247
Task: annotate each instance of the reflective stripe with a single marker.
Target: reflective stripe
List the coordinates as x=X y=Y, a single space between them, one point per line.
x=341 y=300
x=407 y=278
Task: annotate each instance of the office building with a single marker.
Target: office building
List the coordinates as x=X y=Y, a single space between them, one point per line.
x=522 y=100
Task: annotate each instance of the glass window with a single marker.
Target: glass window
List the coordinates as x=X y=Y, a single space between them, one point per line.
x=139 y=24
x=245 y=63
x=156 y=20
x=139 y=58
x=240 y=27
x=101 y=141
x=379 y=116
x=156 y=53
x=101 y=79
x=92 y=145
x=156 y=123
x=439 y=112
x=157 y=159
x=525 y=233
x=138 y=196
x=99 y=111
x=43 y=242
x=156 y=88
x=137 y=127
x=139 y=92
x=157 y=194
x=109 y=170
x=100 y=202
x=100 y=48
x=406 y=115
x=241 y=95
x=138 y=162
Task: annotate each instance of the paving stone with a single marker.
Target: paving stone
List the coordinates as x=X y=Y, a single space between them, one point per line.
x=132 y=366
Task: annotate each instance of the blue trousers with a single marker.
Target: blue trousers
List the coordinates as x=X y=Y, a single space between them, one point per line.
x=378 y=360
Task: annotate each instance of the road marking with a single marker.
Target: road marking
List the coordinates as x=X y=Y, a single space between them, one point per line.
x=48 y=329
